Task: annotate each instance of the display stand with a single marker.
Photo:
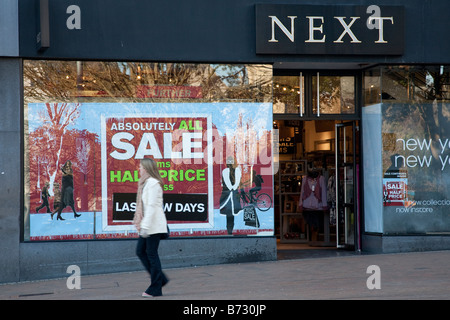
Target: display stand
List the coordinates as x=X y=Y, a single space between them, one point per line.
x=293 y=228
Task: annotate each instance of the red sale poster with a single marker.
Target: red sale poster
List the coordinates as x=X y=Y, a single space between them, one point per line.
x=179 y=146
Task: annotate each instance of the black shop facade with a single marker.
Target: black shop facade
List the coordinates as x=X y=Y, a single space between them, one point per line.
x=273 y=125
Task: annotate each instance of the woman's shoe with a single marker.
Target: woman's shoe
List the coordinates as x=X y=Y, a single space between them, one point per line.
x=146 y=295
x=76 y=215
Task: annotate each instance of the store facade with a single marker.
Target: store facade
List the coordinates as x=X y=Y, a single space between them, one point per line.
x=228 y=98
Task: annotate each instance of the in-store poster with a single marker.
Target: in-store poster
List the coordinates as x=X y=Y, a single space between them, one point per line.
x=395 y=183
x=192 y=143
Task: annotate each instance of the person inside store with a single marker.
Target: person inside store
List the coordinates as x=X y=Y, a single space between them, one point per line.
x=313 y=201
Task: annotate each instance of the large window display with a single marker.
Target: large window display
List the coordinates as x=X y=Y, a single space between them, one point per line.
x=406 y=142
x=87 y=125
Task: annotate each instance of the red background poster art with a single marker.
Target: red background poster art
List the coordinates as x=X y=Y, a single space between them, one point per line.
x=192 y=144
x=52 y=144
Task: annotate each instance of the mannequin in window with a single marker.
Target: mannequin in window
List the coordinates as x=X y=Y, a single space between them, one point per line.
x=313 y=199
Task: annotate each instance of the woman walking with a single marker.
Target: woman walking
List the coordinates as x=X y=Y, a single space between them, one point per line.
x=67 y=190
x=151 y=223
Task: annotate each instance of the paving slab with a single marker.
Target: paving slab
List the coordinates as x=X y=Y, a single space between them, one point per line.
x=409 y=276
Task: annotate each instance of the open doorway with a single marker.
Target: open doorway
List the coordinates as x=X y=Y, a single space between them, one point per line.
x=316 y=187
x=317 y=115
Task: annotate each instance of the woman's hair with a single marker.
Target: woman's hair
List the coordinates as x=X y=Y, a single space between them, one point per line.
x=67 y=168
x=152 y=169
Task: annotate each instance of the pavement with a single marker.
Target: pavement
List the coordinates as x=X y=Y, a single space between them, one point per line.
x=403 y=276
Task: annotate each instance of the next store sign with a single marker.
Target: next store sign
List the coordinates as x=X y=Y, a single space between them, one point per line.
x=318 y=29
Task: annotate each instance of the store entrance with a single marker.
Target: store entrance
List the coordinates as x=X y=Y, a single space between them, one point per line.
x=317 y=184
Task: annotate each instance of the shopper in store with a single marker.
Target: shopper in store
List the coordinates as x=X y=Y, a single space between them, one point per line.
x=151 y=224
x=313 y=200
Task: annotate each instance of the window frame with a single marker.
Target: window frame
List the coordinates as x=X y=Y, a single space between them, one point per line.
x=308 y=113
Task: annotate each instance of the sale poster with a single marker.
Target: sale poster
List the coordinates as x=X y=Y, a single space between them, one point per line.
x=180 y=147
x=208 y=155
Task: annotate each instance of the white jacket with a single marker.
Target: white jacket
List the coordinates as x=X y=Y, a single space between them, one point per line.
x=153 y=220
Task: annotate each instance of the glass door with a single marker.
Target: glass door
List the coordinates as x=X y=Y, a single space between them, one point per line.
x=346 y=186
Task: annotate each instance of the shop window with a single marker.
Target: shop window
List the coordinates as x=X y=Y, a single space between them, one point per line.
x=336 y=95
x=102 y=117
x=415 y=83
x=372 y=87
x=407 y=84
x=298 y=95
x=406 y=129
x=288 y=94
x=93 y=81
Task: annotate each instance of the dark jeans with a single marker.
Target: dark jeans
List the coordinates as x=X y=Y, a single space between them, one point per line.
x=147 y=251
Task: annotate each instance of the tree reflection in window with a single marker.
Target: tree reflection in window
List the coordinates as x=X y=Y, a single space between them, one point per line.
x=95 y=81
